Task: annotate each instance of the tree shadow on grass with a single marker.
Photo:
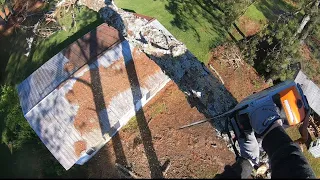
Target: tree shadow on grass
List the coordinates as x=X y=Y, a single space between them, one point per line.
x=199 y=11
x=272 y=9
x=154 y=163
x=206 y=14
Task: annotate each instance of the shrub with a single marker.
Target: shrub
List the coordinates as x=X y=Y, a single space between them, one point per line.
x=15 y=129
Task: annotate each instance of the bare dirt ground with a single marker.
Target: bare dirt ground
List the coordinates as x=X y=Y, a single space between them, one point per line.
x=240 y=82
x=193 y=153
x=249 y=26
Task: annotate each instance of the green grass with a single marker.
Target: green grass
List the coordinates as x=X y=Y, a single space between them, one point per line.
x=200 y=29
x=254 y=14
x=271 y=9
x=15 y=66
x=157 y=109
x=186 y=20
x=294 y=134
x=131 y=126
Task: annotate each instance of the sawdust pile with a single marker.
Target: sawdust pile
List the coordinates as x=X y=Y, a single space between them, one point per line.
x=79 y=147
x=95 y=89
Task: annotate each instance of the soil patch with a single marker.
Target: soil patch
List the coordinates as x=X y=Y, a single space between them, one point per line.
x=95 y=89
x=249 y=26
x=240 y=82
x=193 y=153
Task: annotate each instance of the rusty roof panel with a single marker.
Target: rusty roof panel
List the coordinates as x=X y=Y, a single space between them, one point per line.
x=92 y=44
x=148 y=18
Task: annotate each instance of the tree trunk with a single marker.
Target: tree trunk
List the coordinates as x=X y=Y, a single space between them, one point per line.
x=309 y=29
x=305 y=34
x=317 y=4
x=303 y=24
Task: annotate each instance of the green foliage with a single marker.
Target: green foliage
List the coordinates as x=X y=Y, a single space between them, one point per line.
x=15 y=129
x=313 y=36
x=249 y=49
x=232 y=9
x=131 y=126
x=274 y=50
x=52 y=167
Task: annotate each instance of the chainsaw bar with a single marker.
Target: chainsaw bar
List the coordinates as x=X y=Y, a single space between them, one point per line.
x=213 y=118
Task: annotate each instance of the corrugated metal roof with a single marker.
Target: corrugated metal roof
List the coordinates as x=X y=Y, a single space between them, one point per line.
x=52 y=120
x=53 y=117
x=311 y=90
x=45 y=79
x=92 y=45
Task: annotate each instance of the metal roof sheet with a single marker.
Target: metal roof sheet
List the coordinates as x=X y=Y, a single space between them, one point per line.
x=53 y=117
x=43 y=81
x=311 y=90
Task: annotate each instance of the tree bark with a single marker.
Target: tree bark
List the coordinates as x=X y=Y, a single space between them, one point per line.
x=303 y=24
x=308 y=17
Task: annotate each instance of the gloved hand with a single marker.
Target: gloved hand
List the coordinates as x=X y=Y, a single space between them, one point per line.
x=263 y=115
x=249 y=148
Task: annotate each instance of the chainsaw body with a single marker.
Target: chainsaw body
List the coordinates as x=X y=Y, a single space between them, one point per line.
x=289 y=98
